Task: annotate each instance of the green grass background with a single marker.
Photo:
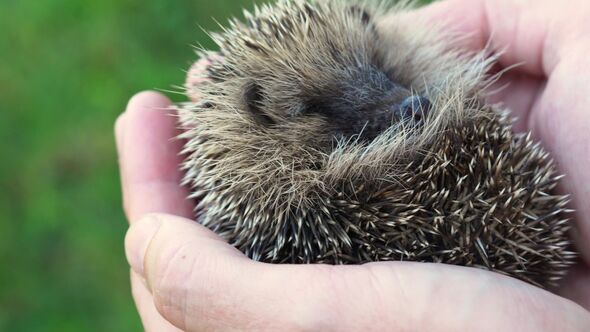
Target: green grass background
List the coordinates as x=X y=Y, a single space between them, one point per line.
x=67 y=69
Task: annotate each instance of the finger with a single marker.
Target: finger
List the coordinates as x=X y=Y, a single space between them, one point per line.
x=559 y=119
x=163 y=265
x=119 y=131
x=150 y=317
x=150 y=160
x=153 y=169
x=119 y=137
x=522 y=31
x=200 y=282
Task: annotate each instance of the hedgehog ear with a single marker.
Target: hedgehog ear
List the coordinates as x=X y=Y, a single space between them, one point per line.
x=253 y=97
x=362 y=13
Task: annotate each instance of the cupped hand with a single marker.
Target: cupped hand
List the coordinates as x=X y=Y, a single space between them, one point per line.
x=185 y=277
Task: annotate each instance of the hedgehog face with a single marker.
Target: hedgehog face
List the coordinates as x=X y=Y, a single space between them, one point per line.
x=360 y=106
x=311 y=67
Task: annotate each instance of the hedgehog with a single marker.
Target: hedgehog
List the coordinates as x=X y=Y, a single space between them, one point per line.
x=322 y=136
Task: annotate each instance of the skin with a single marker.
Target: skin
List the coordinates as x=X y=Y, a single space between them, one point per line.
x=185 y=277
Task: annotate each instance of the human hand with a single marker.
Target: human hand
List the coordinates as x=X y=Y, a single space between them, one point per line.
x=548 y=90
x=186 y=275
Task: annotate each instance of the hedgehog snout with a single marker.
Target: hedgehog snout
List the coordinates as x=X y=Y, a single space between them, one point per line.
x=411 y=110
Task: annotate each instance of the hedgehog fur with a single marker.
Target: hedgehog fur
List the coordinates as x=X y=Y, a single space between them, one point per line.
x=273 y=180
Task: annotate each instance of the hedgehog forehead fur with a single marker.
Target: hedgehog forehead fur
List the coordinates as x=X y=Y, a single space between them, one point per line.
x=268 y=176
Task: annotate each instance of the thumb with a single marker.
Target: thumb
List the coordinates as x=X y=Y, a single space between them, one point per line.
x=157 y=233
x=198 y=281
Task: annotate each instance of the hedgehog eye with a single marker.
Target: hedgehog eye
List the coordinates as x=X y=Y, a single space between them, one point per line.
x=313 y=107
x=362 y=14
x=253 y=98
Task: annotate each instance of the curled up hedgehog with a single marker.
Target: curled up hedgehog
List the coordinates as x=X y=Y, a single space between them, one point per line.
x=319 y=138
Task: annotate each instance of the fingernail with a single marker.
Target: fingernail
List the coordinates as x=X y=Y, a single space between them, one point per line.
x=138 y=240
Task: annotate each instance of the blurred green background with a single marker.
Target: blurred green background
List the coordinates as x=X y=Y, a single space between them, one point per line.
x=68 y=68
